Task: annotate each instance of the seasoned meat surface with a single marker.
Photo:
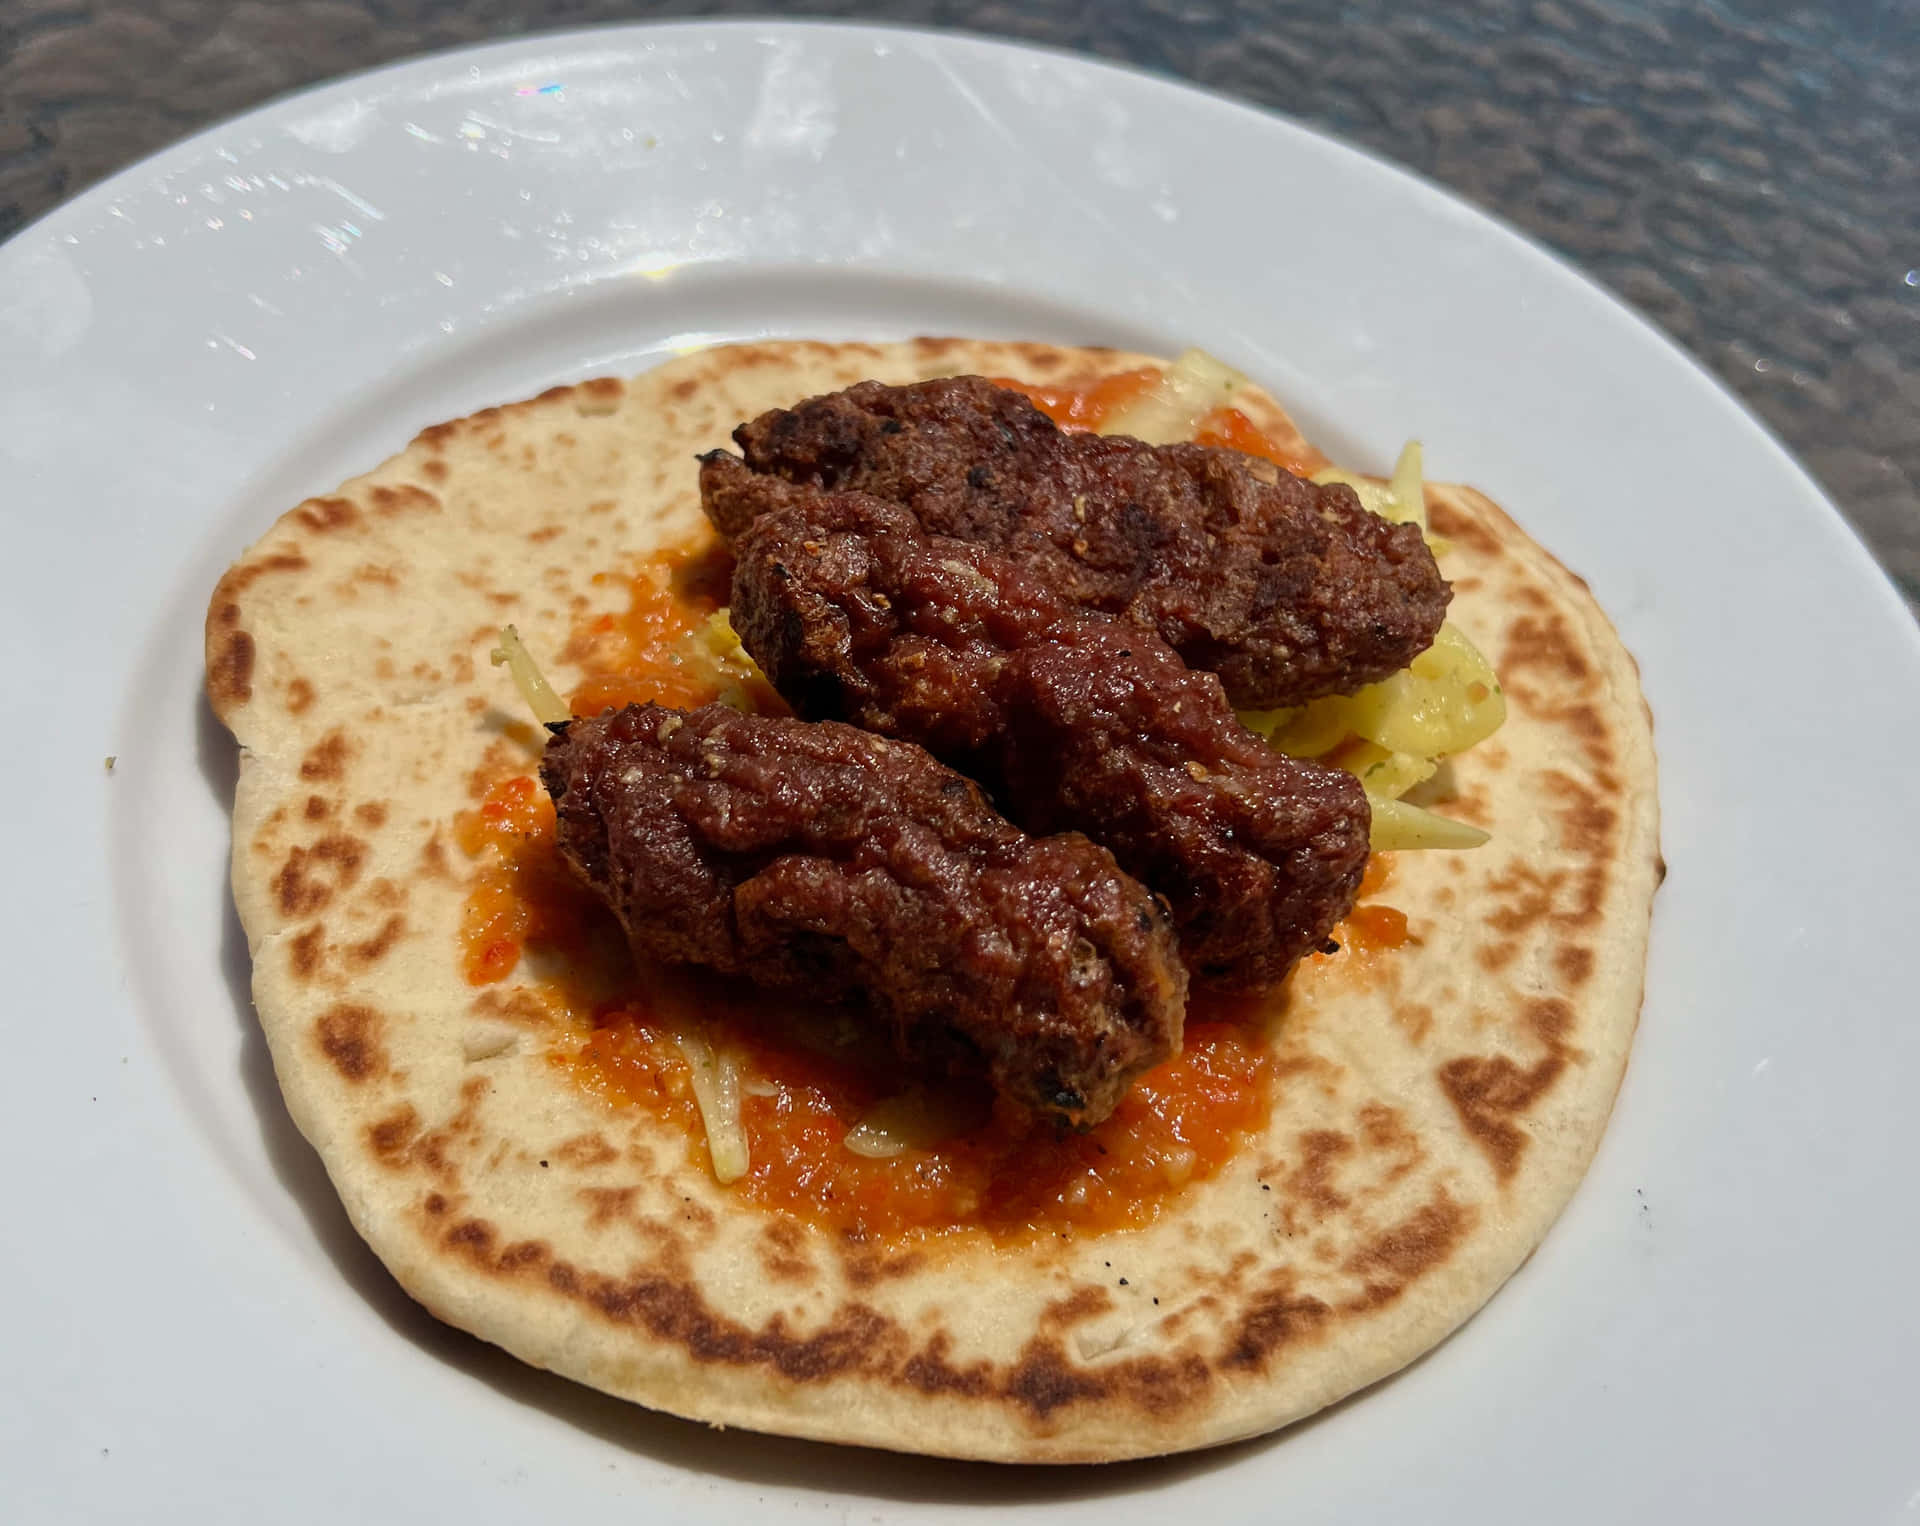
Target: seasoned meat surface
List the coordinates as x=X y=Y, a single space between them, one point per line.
x=1076 y=721
x=820 y=858
x=1286 y=589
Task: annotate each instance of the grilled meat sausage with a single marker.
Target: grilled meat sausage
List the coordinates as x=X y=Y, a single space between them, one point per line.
x=1073 y=720
x=820 y=858
x=1286 y=589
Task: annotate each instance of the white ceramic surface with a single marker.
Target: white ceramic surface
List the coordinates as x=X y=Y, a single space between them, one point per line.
x=1722 y=1327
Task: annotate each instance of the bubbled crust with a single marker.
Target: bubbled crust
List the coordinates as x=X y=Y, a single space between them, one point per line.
x=1074 y=720
x=819 y=857
x=1287 y=589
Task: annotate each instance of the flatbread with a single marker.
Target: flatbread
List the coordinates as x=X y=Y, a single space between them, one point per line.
x=1436 y=1103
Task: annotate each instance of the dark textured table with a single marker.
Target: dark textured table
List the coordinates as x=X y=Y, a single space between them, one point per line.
x=1747 y=174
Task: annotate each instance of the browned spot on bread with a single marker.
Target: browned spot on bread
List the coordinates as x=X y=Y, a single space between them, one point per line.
x=434 y=470
x=390 y=1137
x=404 y=499
x=545 y=533
x=325 y=515
x=371 y=950
x=684 y=390
x=700 y=1216
x=383 y=892
x=605 y=1205
x=600 y=394
x=864 y=1268
x=1400 y=1256
x=1045 y=1381
x=857 y=1338
x=1278 y=1316
x=1311 y=1182
x=1415 y=1018
x=371 y=813
x=306 y=882
x=474 y=1236
x=1489 y=1092
x=306 y=950
x=585 y=1151
x=373 y=572
x=1461 y=528
x=1386 y=1133
x=230 y=669
x=1083 y=1303
x=299 y=696
x=349 y=1035
x=318 y=808
x=523 y=1255
x=1495 y=957
x=1550 y=1018
x=1038 y=359
x=242 y=576
x=782 y=1251
x=327 y=758
x=435 y=1148
x=1542 y=644
x=1587 y=826
x=1573 y=963
x=933 y=348
x=433 y=858
x=930 y=1372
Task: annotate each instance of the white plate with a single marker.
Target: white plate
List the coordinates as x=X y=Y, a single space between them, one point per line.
x=1724 y=1324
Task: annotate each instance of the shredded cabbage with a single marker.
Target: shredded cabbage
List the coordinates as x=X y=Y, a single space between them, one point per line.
x=913 y=1120
x=716 y=646
x=1393 y=735
x=1398 y=825
x=1188 y=390
x=716 y=1087
x=548 y=708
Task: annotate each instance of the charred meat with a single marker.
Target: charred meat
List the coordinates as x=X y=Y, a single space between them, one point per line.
x=1075 y=721
x=1286 y=589
x=817 y=857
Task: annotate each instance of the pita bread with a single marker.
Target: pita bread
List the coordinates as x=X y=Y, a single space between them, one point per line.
x=1435 y=1104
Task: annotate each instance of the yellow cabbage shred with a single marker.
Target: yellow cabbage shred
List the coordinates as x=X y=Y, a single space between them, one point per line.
x=548 y=708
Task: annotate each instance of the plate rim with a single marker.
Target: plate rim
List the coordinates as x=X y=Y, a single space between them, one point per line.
x=1805 y=484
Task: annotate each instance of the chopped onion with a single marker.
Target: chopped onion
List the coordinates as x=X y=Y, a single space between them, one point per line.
x=716 y=1087
x=1172 y=408
x=547 y=707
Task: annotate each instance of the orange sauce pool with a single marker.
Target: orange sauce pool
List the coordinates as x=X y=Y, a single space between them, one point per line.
x=998 y=1170
x=1001 y=1171
x=1080 y=409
